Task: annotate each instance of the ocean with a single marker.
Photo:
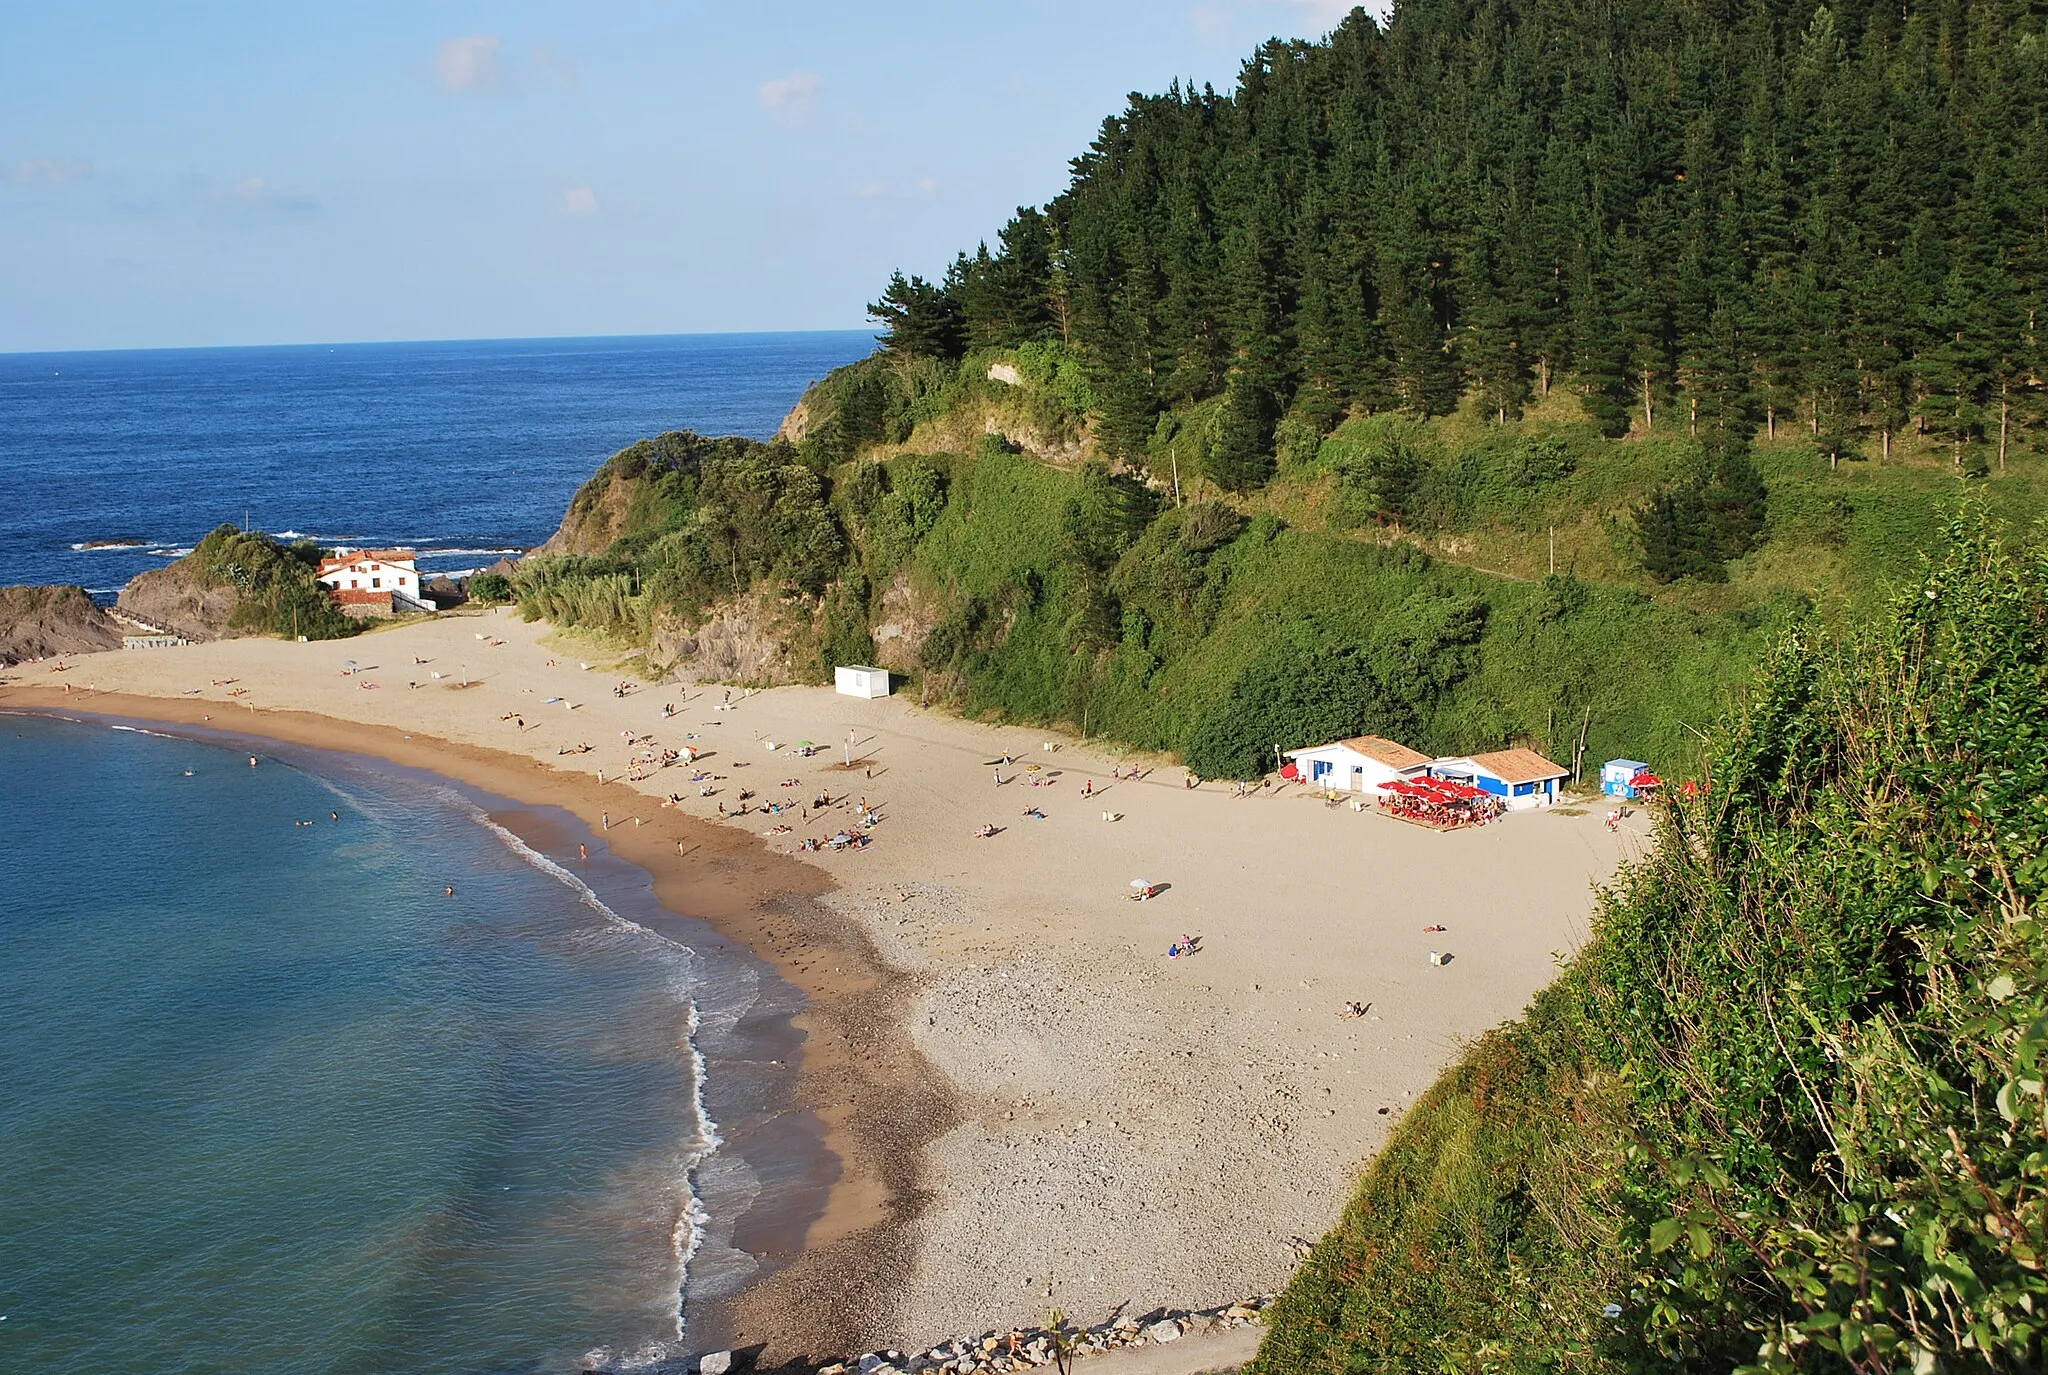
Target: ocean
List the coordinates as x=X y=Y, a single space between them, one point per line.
x=276 y=1102
x=114 y=462
x=272 y=1101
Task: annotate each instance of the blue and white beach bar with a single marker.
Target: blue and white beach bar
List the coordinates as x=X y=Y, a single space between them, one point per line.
x=1520 y=778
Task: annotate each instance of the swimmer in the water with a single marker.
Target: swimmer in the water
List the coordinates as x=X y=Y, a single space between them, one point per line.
x=447 y=892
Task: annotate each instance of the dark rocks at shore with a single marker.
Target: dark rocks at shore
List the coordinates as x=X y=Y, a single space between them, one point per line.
x=445 y=592
x=43 y=622
x=995 y=1353
x=180 y=602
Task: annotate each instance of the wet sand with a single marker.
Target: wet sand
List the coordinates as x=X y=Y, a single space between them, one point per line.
x=1032 y=1103
x=836 y=1239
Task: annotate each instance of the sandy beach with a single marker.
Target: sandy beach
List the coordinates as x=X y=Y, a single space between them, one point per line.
x=1032 y=1103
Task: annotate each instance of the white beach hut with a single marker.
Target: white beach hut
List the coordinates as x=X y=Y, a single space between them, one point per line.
x=858 y=680
x=1362 y=764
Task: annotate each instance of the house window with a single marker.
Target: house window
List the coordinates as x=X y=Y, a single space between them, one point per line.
x=376 y=582
x=353 y=583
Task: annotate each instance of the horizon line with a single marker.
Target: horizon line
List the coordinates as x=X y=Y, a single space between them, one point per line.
x=384 y=343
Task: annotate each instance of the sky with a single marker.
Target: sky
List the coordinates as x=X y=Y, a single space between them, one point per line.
x=202 y=173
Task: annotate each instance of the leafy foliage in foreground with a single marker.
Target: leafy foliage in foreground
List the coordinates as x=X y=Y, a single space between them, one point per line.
x=276 y=584
x=1786 y=1110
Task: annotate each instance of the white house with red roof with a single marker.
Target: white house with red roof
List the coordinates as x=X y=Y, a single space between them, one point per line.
x=1362 y=764
x=373 y=582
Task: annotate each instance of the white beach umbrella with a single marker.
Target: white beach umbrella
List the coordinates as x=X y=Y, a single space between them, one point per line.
x=1141 y=883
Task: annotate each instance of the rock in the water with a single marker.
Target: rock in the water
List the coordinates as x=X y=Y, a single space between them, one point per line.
x=714 y=1363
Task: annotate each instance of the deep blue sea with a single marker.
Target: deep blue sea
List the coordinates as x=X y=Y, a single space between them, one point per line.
x=275 y=1102
x=462 y=450
x=269 y=1100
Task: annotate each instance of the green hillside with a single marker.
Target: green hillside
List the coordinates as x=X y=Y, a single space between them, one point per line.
x=1502 y=376
x=1785 y=1111
x=1597 y=375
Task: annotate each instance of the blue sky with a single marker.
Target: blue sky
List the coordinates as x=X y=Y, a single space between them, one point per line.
x=206 y=173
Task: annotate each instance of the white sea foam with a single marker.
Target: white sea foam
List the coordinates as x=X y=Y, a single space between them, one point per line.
x=98 y=546
x=138 y=730
x=688 y=1234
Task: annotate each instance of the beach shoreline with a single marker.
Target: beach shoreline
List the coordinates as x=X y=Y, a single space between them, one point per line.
x=1035 y=1106
x=855 y=1061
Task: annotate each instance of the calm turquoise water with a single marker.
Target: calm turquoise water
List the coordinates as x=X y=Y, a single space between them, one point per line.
x=272 y=1102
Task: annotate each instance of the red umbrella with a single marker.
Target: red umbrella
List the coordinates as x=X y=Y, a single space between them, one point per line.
x=1290 y=772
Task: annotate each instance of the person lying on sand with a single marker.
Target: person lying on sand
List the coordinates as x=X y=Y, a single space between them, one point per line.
x=988 y=828
x=1353 y=1011
x=1034 y=813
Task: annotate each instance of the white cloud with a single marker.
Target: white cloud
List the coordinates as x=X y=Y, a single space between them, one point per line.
x=791 y=97
x=50 y=171
x=556 y=67
x=258 y=193
x=929 y=186
x=474 y=63
x=870 y=190
x=578 y=200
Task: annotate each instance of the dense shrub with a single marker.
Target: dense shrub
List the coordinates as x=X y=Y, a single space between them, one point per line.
x=1785 y=1111
x=278 y=592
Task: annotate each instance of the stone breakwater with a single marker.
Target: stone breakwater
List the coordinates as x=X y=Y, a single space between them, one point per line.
x=994 y=1353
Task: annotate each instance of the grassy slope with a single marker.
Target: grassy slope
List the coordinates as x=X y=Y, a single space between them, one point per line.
x=1784 y=1112
x=1653 y=663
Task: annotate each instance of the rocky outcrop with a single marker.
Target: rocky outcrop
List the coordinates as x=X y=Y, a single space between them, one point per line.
x=744 y=641
x=39 y=622
x=796 y=424
x=998 y=1353
x=596 y=515
x=178 y=599
x=907 y=617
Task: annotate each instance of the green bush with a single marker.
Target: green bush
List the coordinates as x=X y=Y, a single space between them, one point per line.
x=277 y=585
x=490 y=589
x=1785 y=1110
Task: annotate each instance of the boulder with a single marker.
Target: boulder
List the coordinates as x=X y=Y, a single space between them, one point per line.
x=1165 y=1330
x=40 y=622
x=714 y=1363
